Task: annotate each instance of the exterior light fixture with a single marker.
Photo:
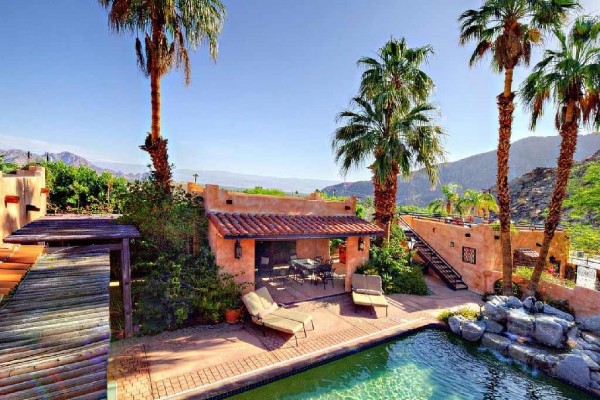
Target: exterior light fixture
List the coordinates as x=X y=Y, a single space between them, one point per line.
x=451 y=244
x=361 y=244
x=410 y=243
x=238 y=249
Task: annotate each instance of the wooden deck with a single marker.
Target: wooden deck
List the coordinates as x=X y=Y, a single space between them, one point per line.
x=72 y=227
x=55 y=330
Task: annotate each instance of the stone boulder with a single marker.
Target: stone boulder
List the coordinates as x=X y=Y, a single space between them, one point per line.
x=529 y=302
x=522 y=352
x=591 y=324
x=495 y=312
x=574 y=369
x=556 y=312
x=549 y=332
x=455 y=323
x=520 y=323
x=496 y=342
x=513 y=302
x=544 y=360
x=472 y=330
x=493 y=326
x=591 y=338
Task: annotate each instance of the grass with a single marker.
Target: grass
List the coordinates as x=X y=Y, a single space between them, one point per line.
x=526 y=272
x=465 y=312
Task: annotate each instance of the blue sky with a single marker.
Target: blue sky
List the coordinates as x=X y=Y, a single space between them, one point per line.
x=267 y=107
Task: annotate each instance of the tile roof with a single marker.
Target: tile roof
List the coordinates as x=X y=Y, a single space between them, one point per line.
x=276 y=226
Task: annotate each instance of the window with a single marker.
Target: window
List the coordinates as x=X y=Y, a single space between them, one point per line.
x=469 y=255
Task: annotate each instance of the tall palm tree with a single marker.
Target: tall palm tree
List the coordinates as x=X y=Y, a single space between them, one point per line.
x=397 y=142
x=570 y=77
x=397 y=91
x=167 y=30
x=507 y=29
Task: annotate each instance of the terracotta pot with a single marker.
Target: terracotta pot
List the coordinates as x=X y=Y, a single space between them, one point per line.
x=232 y=316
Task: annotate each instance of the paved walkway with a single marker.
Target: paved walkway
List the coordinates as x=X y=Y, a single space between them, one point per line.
x=202 y=361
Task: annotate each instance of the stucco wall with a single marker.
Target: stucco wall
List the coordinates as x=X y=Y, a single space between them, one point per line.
x=224 y=251
x=354 y=258
x=215 y=200
x=477 y=276
x=309 y=248
x=27 y=185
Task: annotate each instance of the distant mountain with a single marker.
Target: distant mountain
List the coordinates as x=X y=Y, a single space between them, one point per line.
x=477 y=171
x=21 y=157
x=530 y=193
x=135 y=171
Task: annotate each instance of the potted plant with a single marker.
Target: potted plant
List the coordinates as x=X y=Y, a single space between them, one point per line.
x=231 y=298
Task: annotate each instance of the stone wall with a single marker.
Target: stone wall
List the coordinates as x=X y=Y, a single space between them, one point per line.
x=17 y=191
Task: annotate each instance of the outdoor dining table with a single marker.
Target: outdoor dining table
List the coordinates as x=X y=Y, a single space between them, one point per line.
x=307 y=265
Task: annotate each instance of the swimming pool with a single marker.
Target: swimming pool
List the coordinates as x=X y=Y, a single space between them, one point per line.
x=427 y=365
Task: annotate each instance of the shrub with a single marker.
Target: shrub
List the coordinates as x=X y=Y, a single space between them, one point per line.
x=185 y=290
x=465 y=312
x=391 y=263
x=516 y=290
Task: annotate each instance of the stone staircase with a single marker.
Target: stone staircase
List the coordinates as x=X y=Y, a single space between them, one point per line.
x=434 y=260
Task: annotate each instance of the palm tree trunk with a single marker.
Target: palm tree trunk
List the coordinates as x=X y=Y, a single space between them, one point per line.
x=385 y=201
x=565 y=163
x=154 y=144
x=506 y=107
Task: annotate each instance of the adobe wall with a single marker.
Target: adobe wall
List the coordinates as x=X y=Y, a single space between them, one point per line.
x=215 y=200
x=482 y=238
x=27 y=185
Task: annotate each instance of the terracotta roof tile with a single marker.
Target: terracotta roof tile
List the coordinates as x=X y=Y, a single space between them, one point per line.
x=270 y=226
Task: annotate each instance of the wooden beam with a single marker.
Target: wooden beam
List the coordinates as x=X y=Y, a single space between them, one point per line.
x=126 y=288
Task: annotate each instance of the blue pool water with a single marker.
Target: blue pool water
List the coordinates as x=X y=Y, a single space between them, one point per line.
x=427 y=365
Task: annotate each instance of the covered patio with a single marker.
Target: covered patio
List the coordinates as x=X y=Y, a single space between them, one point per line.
x=290 y=254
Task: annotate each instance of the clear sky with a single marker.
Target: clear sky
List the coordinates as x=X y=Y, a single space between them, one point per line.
x=267 y=107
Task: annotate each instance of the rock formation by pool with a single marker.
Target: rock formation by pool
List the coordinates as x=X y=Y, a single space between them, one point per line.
x=539 y=335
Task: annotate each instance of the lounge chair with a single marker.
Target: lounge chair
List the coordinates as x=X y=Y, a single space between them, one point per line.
x=367 y=291
x=265 y=312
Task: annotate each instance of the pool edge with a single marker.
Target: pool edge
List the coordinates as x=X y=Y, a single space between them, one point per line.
x=288 y=368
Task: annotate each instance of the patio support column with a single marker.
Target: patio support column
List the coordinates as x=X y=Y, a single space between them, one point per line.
x=126 y=287
x=354 y=258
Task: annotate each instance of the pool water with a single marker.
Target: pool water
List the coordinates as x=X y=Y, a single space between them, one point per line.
x=427 y=365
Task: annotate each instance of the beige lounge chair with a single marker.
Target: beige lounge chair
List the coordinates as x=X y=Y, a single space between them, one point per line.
x=265 y=312
x=367 y=291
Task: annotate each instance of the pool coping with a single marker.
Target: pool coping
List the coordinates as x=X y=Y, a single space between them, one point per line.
x=250 y=380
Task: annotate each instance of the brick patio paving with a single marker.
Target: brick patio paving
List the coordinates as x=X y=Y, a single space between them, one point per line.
x=206 y=361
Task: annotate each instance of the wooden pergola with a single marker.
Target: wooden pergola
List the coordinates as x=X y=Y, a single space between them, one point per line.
x=84 y=230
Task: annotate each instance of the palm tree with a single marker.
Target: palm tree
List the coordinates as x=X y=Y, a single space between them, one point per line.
x=450 y=202
x=570 y=77
x=410 y=138
x=507 y=29
x=474 y=202
x=396 y=92
x=168 y=29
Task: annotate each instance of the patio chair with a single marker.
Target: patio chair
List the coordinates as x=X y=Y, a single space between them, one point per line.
x=268 y=314
x=367 y=291
x=326 y=273
x=264 y=266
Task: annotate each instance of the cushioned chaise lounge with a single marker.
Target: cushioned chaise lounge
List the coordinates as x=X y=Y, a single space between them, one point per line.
x=367 y=291
x=265 y=312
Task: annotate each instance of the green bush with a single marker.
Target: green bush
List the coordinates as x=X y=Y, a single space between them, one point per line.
x=184 y=290
x=168 y=222
x=526 y=272
x=391 y=263
x=465 y=312
x=179 y=283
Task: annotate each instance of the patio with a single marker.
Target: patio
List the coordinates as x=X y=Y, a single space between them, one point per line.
x=290 y=289
x=204 y=361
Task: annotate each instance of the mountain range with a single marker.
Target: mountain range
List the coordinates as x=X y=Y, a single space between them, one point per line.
x=477 y=171
x=135 y=171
